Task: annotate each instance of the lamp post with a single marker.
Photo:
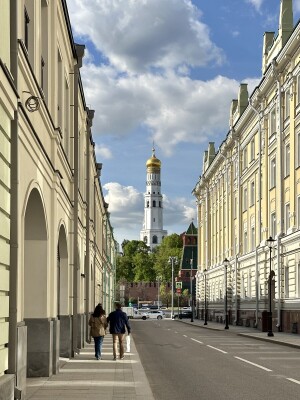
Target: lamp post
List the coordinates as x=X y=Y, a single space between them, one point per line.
x=172 y=261
x=205 y=299
x=158 y=301
x=191 y=278
x=270 y=244
x=226 y=264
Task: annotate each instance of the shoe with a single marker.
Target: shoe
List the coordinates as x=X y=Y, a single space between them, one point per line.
x=122 y=358
x=115 y=359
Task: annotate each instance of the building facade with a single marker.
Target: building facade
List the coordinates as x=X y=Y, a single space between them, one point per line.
x=153 y=233
x=189 y=259
x=57 y=249
x=249 y=190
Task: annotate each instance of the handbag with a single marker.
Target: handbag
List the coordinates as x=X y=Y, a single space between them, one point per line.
x=128 y=344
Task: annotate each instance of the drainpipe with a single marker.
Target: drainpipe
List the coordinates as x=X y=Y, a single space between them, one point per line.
x=14 y=203
x=80 y=53
x=259 y=213
x=90 y=116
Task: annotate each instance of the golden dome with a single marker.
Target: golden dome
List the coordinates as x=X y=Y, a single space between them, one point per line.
x=153 y=162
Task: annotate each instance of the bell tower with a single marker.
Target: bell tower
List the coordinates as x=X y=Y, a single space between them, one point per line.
x=152 y=232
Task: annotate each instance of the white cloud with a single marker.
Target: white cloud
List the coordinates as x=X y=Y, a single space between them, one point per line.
x=137 y=36
x=102 y=152
x=296 y=5
x=235 y=33
x=174 y=109
x=256 y=4
x=126 y=205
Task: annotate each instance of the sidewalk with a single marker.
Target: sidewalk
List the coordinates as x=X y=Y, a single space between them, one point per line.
x=285 y=339
x=85 y=378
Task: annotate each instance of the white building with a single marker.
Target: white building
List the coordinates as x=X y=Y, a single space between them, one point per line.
x=153 y=233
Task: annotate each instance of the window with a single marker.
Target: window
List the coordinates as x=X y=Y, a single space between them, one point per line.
x=272 y=122
x=286 y=281
x=249 y=285
x=273 y=230
x=298 y=149
x=298 y=90
x=273 y=173
x=245 y=199
x=235 y=207
x=26 y=27
x=287 y=217
x=252 y=238
x=245 y=242
x=245 y=158
x=298 y=212
x=153 y=219
x=42 y=72
x=154 y=203
x=148 y=204
x=154 y=239
x=145 y=239
x=287 y=160
x=159 y=203
x=252 y=149
x=298 y=278
x=252 y=193
x=287 y=103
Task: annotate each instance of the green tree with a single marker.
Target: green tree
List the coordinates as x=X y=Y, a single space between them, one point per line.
x=171 y=246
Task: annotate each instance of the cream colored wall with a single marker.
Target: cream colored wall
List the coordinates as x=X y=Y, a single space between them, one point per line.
x=7 y=107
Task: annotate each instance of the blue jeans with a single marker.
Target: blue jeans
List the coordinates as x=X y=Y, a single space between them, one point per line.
x=98 y=345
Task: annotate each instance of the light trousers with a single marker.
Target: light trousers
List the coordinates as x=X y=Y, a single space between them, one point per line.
x=118 y=338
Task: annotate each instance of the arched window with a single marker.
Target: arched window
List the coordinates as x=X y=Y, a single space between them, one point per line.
x=154 y=203
x=147 y=204
x=145 y=239
x=154 y=239
x=160 y=204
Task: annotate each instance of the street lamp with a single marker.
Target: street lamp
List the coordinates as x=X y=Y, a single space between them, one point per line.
x=192 y=303
x=205 y=299
x=270 y=244
x=172 y=261
x=226 y=264
x=158 y=301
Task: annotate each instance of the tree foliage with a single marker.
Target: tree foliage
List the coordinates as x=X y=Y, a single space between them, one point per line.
x=138 y=263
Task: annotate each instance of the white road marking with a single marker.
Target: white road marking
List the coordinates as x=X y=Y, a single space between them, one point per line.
x=215 y=348
x=293 y=380
x=279 y=358
x=255 y=365
x=184 y=335
x=195 y=340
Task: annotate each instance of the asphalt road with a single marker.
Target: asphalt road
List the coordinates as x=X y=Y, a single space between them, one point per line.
x=186 y=362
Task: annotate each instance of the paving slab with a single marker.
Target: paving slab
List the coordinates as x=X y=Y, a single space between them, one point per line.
x=86 y=378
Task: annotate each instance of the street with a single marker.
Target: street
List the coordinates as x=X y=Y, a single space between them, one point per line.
x=182 y=361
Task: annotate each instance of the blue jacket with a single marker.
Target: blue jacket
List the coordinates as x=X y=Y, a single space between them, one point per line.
x=117 y=322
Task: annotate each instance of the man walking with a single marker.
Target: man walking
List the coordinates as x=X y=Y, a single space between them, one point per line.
x=118 y=320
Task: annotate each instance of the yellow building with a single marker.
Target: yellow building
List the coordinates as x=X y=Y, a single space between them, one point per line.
x=250 y=190
x=57 y=248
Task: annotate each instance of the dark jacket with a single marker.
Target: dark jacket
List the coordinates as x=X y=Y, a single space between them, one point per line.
x=117 y=322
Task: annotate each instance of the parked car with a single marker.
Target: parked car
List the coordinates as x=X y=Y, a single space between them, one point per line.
x=156 y=314
x=140 y=315
x=183 y=314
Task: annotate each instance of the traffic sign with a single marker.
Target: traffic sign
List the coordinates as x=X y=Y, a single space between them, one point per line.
x=178 y=285
x=178 y=291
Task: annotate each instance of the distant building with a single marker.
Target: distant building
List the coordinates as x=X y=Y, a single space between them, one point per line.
x=188 y=266
x=153 y=233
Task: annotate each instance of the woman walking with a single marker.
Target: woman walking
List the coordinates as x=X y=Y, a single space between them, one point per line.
x=98 y=324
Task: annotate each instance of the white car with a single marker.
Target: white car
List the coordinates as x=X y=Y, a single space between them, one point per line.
x=156 y=314
x=140 y=315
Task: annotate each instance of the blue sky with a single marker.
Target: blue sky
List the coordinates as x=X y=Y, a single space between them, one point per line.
x=164 y=71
